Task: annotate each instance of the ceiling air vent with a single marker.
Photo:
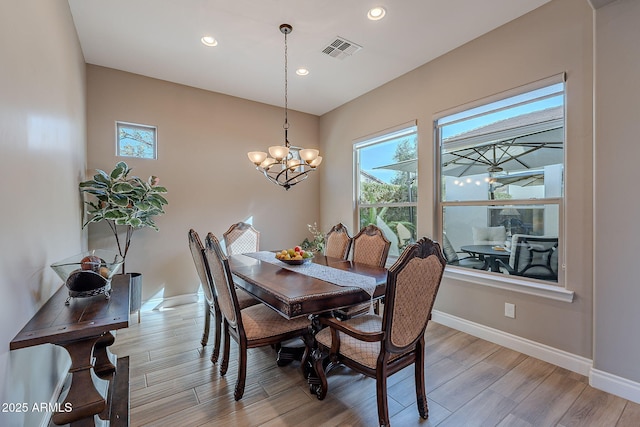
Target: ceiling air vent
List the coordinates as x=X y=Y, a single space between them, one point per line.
x=341 y=48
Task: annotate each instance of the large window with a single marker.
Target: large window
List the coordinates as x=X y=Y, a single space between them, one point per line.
x=500 y=193
x=133 y=140
x=386 y=184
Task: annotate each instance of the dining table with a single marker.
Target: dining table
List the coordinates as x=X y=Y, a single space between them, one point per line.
x=307 y=290
x=489 y=254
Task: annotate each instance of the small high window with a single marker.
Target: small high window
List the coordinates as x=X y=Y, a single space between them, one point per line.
x=134 y=140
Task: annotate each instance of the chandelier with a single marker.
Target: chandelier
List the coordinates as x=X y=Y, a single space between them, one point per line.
x=286 y=165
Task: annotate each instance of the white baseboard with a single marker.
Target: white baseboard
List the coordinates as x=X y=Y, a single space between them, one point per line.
x=614 y=384
x=561 y=358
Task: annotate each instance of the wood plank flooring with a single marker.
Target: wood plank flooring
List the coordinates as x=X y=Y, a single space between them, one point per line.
x=470 y=382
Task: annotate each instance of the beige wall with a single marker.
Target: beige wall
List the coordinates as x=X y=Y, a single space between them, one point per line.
x=552 y=39
x=42 y=159
x=617 y=205
x=203 y=140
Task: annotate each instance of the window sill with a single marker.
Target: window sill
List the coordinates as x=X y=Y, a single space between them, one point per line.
x=509 y=283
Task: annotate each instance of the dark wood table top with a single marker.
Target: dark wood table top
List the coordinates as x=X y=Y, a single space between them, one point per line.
x=87 y=317
x=486 y=250
x=293 y=294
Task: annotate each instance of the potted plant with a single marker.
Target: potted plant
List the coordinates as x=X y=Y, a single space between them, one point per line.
x=123 y=201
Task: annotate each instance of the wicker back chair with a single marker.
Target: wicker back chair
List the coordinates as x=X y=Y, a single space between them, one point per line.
x=241 y=238
x=253 y=326
x=211 y=306
x=379 y=346
x=210 y=301
x=369 y=247
x=337 y=242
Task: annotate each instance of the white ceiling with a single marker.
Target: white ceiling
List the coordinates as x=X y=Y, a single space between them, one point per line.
x=161 y=39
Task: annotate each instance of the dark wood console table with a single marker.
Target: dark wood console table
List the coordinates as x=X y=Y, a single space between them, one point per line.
x=83 y=329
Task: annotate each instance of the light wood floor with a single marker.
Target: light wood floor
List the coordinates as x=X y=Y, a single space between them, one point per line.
x=470 y=382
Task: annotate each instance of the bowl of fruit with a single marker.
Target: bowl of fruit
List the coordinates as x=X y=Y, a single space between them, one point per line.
x=294 y=256
x=88 y=273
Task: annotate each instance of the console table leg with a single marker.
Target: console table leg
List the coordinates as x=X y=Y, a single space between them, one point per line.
x=103 y=366
x=83 y=399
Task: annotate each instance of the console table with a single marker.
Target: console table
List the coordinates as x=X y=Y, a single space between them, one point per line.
x=83 y=329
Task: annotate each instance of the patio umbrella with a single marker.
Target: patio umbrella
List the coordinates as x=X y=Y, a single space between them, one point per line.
x=526 y=142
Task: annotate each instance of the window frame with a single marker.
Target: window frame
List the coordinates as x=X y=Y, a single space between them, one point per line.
x=399 y=131
x=140 y=126
x=556 y=291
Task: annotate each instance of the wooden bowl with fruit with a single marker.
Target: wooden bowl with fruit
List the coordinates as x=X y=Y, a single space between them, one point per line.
x=294 y=256
x=88 y=273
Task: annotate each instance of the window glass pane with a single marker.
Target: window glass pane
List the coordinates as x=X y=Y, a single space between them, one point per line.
x=483 y=238
x=502 y=183
x=387 y=167
x=135 y=140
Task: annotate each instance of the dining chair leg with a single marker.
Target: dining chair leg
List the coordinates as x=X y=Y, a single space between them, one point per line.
x=207 y=324
x=317 y=378
x=218 y=332
x=224 y=365
x=421 y=396
x=242 y=370
x=381 y=395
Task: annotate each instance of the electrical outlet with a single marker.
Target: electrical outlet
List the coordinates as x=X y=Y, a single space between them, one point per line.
x=510 y=310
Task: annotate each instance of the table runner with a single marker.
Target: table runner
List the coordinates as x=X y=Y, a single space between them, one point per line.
x=322 y=272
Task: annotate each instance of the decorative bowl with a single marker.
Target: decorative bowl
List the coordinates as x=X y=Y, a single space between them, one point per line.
x=296 y=261
x=88 y=273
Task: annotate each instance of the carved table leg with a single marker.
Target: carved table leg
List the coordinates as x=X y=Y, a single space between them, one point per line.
x=83 y=398
x=103 y=366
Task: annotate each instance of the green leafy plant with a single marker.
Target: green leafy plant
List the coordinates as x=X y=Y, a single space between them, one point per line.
x=317 y=244
x=123 y=201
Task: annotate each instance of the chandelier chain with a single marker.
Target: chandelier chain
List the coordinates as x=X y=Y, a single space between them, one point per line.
x=286 y=85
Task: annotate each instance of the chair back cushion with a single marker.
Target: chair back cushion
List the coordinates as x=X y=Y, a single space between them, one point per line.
x=449 y=251
x=489 y=235
x=241 y=238
x=337 y=242
x=197 y=253
x=412 y=285
x=370 y=246
x=534 y=256
x=220 y=275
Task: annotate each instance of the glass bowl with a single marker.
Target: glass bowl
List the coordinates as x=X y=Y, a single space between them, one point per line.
x=88 y=273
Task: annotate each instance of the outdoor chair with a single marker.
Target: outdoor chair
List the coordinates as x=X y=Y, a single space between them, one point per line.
x=379 y=346
x=532 y=256
x=241 y=238
x=254 y=326
x=370 y=247
x=452 y=258
x=211 y=301
x=337 y=242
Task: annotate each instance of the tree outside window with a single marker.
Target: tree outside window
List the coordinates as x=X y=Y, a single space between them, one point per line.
x=134 y=140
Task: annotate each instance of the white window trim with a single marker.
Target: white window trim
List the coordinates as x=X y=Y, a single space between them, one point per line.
x=557 y=292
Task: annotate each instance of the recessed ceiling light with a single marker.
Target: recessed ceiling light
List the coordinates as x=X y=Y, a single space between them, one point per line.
x=209 y=41
x=302 y=71
x=376 y=13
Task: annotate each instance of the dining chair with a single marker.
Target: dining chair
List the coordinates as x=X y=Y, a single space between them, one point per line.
x=254 y=326
x=380 y=346
x=337 y=242
x=241 y=238
x=532 y=256
x=451 y=255
x=211 y=307
x=369 y=247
